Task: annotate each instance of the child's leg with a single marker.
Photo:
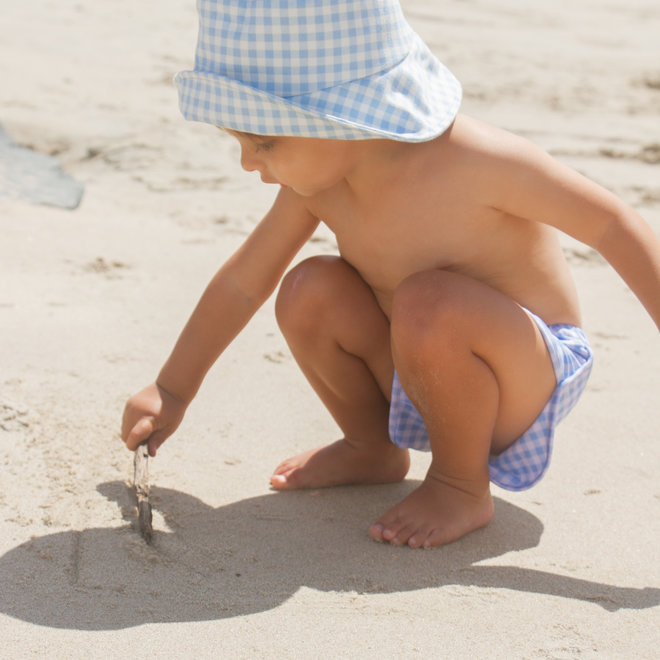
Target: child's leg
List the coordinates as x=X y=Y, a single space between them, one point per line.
x=476 y=367
x=341 y=340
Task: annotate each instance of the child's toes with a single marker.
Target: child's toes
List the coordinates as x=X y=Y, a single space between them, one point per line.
x=376 y=532
x=403 y=535
x=286 y=480
x=278 y=481
x=416 y=540
x=436 y=537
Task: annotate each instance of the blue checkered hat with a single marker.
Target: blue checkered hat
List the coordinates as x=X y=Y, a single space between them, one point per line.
x=339 y=69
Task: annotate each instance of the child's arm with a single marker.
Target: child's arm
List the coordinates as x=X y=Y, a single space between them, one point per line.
x=239 y=288
x=531 y=184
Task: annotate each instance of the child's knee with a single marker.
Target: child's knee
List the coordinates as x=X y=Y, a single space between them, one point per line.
x=306 y=292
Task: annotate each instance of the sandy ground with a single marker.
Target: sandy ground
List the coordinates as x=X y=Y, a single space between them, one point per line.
x=92 y=300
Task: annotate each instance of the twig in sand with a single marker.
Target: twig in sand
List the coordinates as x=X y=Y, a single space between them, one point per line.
x=141 y=481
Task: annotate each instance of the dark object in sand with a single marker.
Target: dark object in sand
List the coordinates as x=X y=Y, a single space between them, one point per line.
x=141 y=481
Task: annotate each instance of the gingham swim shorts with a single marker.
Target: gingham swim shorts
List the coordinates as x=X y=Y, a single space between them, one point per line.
x=525 y=462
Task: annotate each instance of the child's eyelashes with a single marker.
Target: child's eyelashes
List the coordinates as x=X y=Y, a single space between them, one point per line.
x=265 y=146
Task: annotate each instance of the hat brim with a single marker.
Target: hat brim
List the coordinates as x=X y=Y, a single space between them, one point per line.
x=413 y=101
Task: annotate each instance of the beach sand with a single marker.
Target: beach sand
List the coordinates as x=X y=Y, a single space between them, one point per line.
x=92 y=299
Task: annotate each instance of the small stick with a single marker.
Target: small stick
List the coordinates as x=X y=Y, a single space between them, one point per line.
x=141 y=482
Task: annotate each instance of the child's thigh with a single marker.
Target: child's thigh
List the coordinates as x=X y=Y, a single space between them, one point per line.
x=442 y=318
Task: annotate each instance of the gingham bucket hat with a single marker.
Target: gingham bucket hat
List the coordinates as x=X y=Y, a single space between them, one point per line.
x=339 y=69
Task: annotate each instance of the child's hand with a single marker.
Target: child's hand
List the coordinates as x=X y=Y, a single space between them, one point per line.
x=152 y=414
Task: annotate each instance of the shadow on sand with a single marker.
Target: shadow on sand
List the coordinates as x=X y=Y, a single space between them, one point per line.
x=252 y=555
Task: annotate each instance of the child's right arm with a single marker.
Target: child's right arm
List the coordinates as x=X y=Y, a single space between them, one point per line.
x=239 y=288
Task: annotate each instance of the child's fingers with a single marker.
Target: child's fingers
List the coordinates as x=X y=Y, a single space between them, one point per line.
x=155 y=441
x=140 y=432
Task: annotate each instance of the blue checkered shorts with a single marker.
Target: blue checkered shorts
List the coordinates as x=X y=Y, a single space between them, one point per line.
x=525 y=462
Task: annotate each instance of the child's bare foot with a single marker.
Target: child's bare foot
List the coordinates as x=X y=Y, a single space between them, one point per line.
x=342 y=463
x=434 y=514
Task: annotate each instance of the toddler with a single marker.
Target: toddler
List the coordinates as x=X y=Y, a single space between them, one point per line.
x=449 y=321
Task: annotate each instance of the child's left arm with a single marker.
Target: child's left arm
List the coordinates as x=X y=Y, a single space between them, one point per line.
x=540 y=188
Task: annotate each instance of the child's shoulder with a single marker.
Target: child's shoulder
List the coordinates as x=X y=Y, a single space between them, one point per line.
x=504 y=159
x=471 y=138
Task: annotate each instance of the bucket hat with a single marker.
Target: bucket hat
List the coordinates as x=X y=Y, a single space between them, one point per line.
x=337 y=69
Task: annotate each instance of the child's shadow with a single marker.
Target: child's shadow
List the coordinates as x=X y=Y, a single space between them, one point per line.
x=252 y=555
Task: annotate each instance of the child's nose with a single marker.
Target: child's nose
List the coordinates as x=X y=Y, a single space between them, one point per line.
x=248 y=162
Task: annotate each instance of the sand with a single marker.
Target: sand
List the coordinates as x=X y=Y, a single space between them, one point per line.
x=92 y=299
